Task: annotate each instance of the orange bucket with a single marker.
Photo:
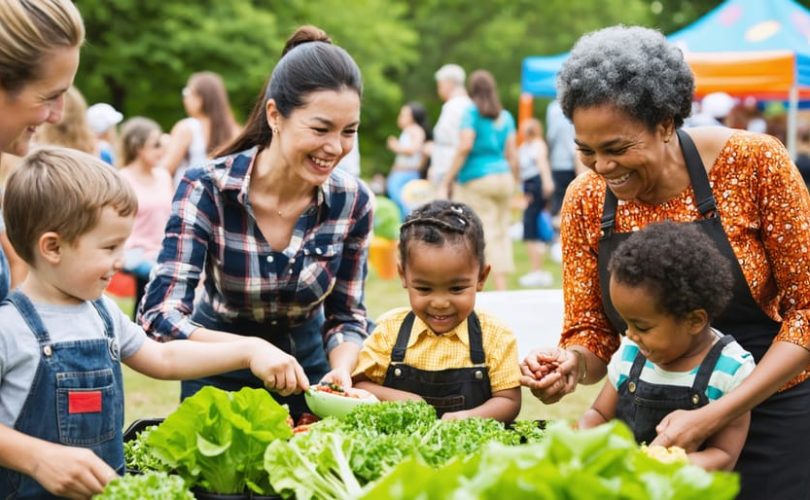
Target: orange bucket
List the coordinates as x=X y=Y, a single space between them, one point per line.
x=382 y=255
x=122 y=285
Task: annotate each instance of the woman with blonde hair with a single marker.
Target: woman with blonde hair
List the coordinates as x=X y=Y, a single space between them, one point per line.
x=39 y=56
x=210 y=124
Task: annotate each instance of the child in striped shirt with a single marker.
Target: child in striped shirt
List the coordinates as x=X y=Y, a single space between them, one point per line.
x=668 y=281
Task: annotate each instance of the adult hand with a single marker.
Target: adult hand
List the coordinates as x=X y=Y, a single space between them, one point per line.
x=686 y=428
x=341 y=376
x=550 y=373
x=548 y=189
x=71 y=472
x=279 y=371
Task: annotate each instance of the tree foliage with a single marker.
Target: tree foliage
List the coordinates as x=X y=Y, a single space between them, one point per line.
x=139 y=53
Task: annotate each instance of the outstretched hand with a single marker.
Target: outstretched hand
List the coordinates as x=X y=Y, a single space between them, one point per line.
x=550 y=373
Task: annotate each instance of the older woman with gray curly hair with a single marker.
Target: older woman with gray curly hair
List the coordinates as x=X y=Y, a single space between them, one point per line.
x=627 y=91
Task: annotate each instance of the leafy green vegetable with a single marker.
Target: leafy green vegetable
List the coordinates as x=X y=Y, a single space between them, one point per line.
x=313 y=465
x=139 y=456
x=217 y=439
x=149 y=486
x=603 y=462
x=453 y=438
x=392 y=417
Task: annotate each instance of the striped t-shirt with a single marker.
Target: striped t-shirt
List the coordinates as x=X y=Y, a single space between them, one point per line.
x=733 y=366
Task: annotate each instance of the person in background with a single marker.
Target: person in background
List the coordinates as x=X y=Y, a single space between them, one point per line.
x=412 y=121
x=564 y=164
x=72 y=131
x=713 y=111
x=538 y=188
x=102 y=119
x=738 y=187
x=486 y=167
x=62 y=342
x=210 y=124
x=440 y=349
x=281 y=234
x=141 y=152
x=668 y=282
x=450 y=87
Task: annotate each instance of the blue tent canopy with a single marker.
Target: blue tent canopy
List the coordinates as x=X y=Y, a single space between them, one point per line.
x=736 y=27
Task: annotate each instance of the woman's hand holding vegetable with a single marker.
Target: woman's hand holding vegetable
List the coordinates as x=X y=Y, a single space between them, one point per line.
x=550 y=373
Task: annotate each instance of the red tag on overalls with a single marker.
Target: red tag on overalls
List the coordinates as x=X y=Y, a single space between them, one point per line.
x=84 y=402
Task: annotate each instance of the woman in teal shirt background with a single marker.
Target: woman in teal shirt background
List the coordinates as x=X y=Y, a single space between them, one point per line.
x=486 y=170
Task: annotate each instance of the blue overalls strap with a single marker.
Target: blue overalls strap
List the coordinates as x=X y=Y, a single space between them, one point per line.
x=30 y=316
x=105 y=317
x=706 y=369
x=401 y=345
x=706 y=204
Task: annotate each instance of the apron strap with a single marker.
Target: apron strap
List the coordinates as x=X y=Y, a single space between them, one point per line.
x=638 y=365
x=474 y=333
x=706 y=204
x=709 y=362
x=476 y=339
x=401 y=345
x=608 y=214
x=30 y=315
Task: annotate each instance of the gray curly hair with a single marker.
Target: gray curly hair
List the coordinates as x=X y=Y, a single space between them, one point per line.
x=633 y=68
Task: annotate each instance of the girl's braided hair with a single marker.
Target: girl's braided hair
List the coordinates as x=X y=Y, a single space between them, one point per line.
x=440 y=222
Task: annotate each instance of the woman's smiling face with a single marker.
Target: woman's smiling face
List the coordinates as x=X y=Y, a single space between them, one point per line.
x=621 y=149
x=317 y=135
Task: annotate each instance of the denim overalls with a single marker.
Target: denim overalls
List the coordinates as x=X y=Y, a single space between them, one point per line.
x=76 y=398
x=643 y=405
x=448 y=390
x=771 y=463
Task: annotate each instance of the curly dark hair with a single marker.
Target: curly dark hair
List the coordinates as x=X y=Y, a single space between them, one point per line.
x=633 y=68
x=681 y=266
x=440 y=222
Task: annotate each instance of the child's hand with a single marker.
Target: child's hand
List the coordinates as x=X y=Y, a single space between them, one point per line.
x=339 y=376
x=279 y=371
x=455 y=415
x=71 y=472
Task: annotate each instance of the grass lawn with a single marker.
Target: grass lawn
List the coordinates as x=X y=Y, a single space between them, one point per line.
x=146 y=397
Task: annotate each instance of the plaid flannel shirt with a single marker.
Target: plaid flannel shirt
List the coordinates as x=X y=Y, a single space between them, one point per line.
x=212 y=227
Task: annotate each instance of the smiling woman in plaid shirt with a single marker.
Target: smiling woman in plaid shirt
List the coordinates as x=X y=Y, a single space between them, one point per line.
x=278 y=235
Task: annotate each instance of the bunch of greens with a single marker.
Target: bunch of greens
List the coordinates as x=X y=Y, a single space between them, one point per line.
x=313 y=464
x=148 y=486
x=139 y=456
x=604 y=462
x=217 y=439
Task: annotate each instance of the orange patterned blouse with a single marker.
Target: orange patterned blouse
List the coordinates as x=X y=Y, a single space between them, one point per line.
x=765 y=209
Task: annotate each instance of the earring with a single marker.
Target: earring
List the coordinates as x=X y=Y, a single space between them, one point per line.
x=275 y=130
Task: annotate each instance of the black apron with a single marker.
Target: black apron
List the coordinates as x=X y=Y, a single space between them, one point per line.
x=775 y=462
x=447 y=390
x=642 y=405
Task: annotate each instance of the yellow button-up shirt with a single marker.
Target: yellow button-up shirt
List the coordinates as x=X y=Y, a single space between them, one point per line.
x=429 y=351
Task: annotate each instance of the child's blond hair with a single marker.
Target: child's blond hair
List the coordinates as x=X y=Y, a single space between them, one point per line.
x=64 y=191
